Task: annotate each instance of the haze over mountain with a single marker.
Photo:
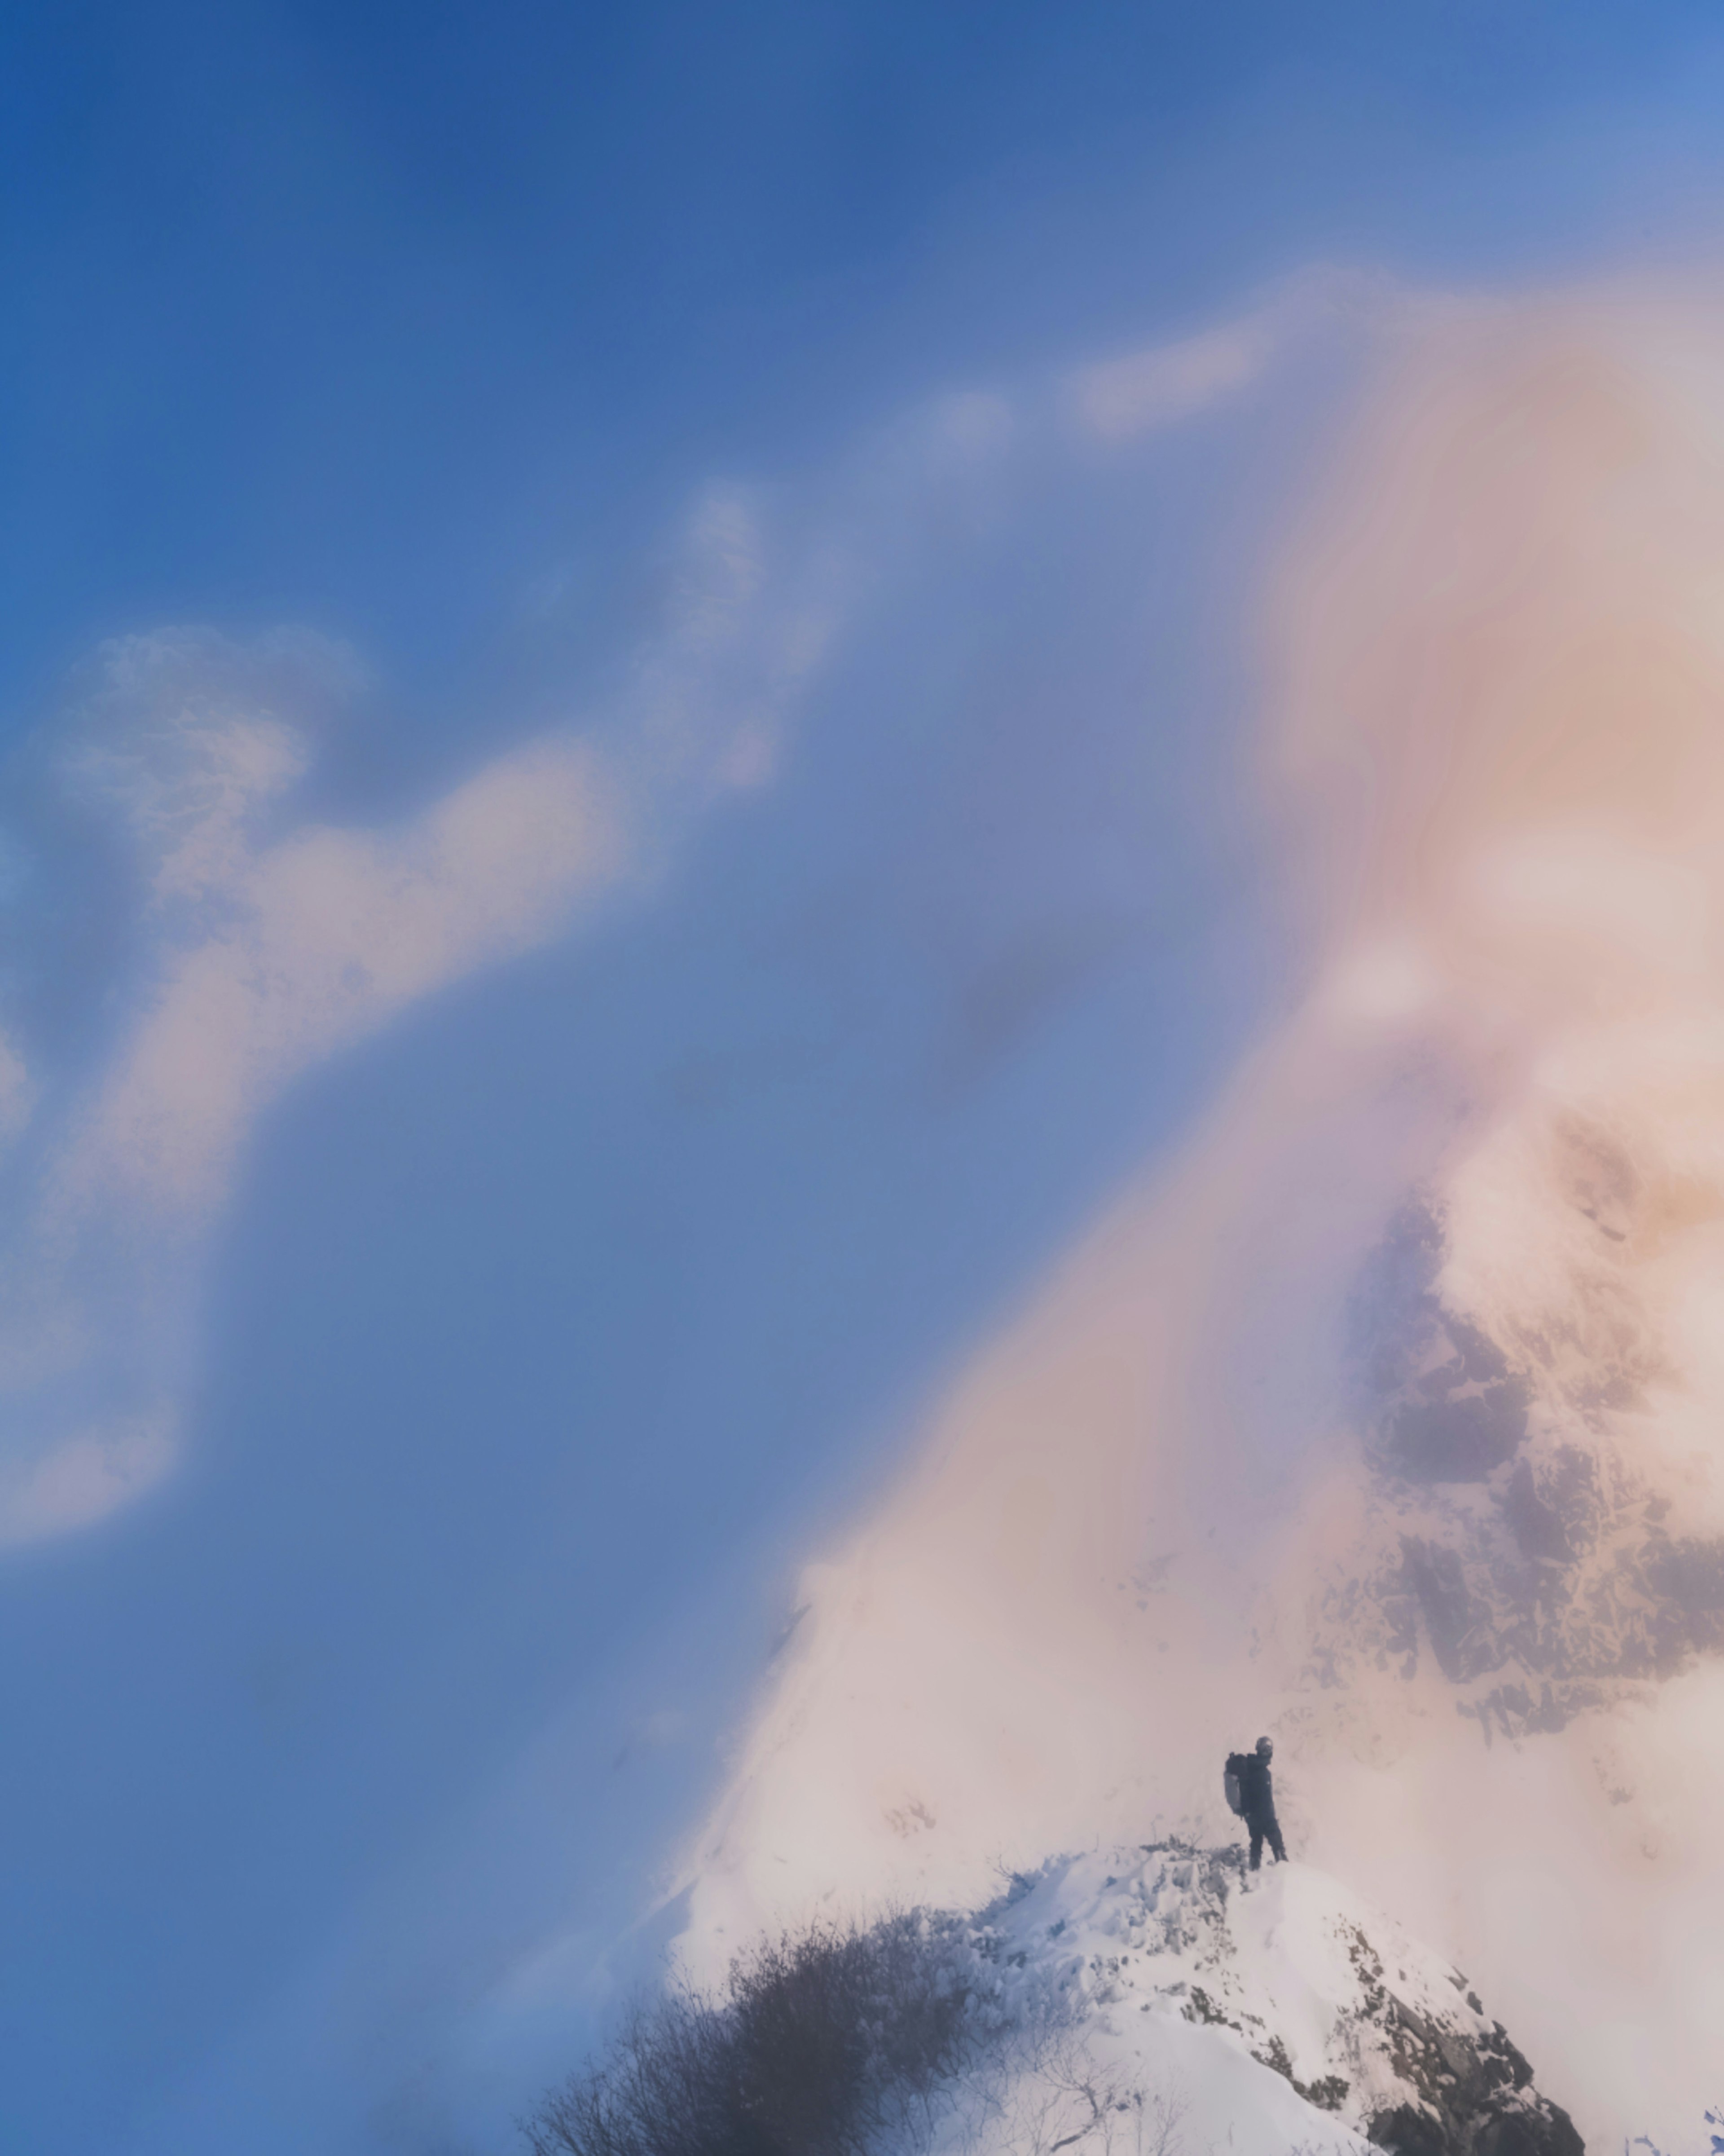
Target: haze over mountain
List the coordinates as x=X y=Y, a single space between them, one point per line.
x=1385 y=1417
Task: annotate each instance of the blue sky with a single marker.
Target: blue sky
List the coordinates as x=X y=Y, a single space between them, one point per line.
x=539 y=1315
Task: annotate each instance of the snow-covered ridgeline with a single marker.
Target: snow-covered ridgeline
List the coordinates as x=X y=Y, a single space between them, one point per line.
x=1197 y=2007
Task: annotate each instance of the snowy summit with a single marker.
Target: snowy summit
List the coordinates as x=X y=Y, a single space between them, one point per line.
x=1203 y=2006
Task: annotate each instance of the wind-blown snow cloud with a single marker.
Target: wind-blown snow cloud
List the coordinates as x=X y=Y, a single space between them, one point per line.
x=1387 y=1414
x=256 y=946
x=327 y=934
x=1116 y=400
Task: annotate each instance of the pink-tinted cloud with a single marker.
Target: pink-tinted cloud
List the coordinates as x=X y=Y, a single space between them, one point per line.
x=1386 y=1415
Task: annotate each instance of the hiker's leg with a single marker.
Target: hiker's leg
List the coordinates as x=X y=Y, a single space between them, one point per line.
x=1273 y=1827
x=1256 y=1828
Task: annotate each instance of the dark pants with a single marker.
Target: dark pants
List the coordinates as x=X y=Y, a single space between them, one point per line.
x=1265 y=1827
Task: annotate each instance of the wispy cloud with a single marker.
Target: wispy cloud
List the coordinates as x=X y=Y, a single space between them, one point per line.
x=322 y=937
x=256 y=946
x=1116 y=400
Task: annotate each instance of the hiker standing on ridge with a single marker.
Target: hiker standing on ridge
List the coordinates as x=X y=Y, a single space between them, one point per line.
x=1256 y=1803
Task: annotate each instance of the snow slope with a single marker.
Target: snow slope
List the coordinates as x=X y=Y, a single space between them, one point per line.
x=1214 y=2010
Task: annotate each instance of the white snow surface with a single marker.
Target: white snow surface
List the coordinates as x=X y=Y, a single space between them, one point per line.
x=1216 y=2010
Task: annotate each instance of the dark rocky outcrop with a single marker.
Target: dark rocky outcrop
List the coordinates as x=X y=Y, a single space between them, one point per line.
x=1521 y=1551
x=1409 y=2055
x=1476 y=2093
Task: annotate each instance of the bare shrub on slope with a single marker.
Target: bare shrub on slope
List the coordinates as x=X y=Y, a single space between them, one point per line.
x=839 y=2041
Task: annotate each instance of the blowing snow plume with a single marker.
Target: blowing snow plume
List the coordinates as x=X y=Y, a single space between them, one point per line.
x=1385 y=1417
x=187 y=944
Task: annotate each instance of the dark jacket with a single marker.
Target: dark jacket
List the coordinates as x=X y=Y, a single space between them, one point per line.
x=1257 y=1791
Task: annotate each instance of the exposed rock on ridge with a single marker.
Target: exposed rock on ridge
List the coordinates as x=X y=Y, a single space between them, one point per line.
x=1370 y=2030
x=1511 y=1540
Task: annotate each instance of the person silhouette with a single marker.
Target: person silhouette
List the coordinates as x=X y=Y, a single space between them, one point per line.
x=1257 y=1795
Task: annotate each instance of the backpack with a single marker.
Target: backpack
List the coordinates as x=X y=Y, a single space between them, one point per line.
x=1232 y=1782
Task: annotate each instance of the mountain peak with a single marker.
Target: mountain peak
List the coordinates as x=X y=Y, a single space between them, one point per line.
x=1275 y=2009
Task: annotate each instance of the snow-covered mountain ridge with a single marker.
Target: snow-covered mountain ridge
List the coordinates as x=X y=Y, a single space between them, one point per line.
x=1522 y=1528
x=1212 y=2008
